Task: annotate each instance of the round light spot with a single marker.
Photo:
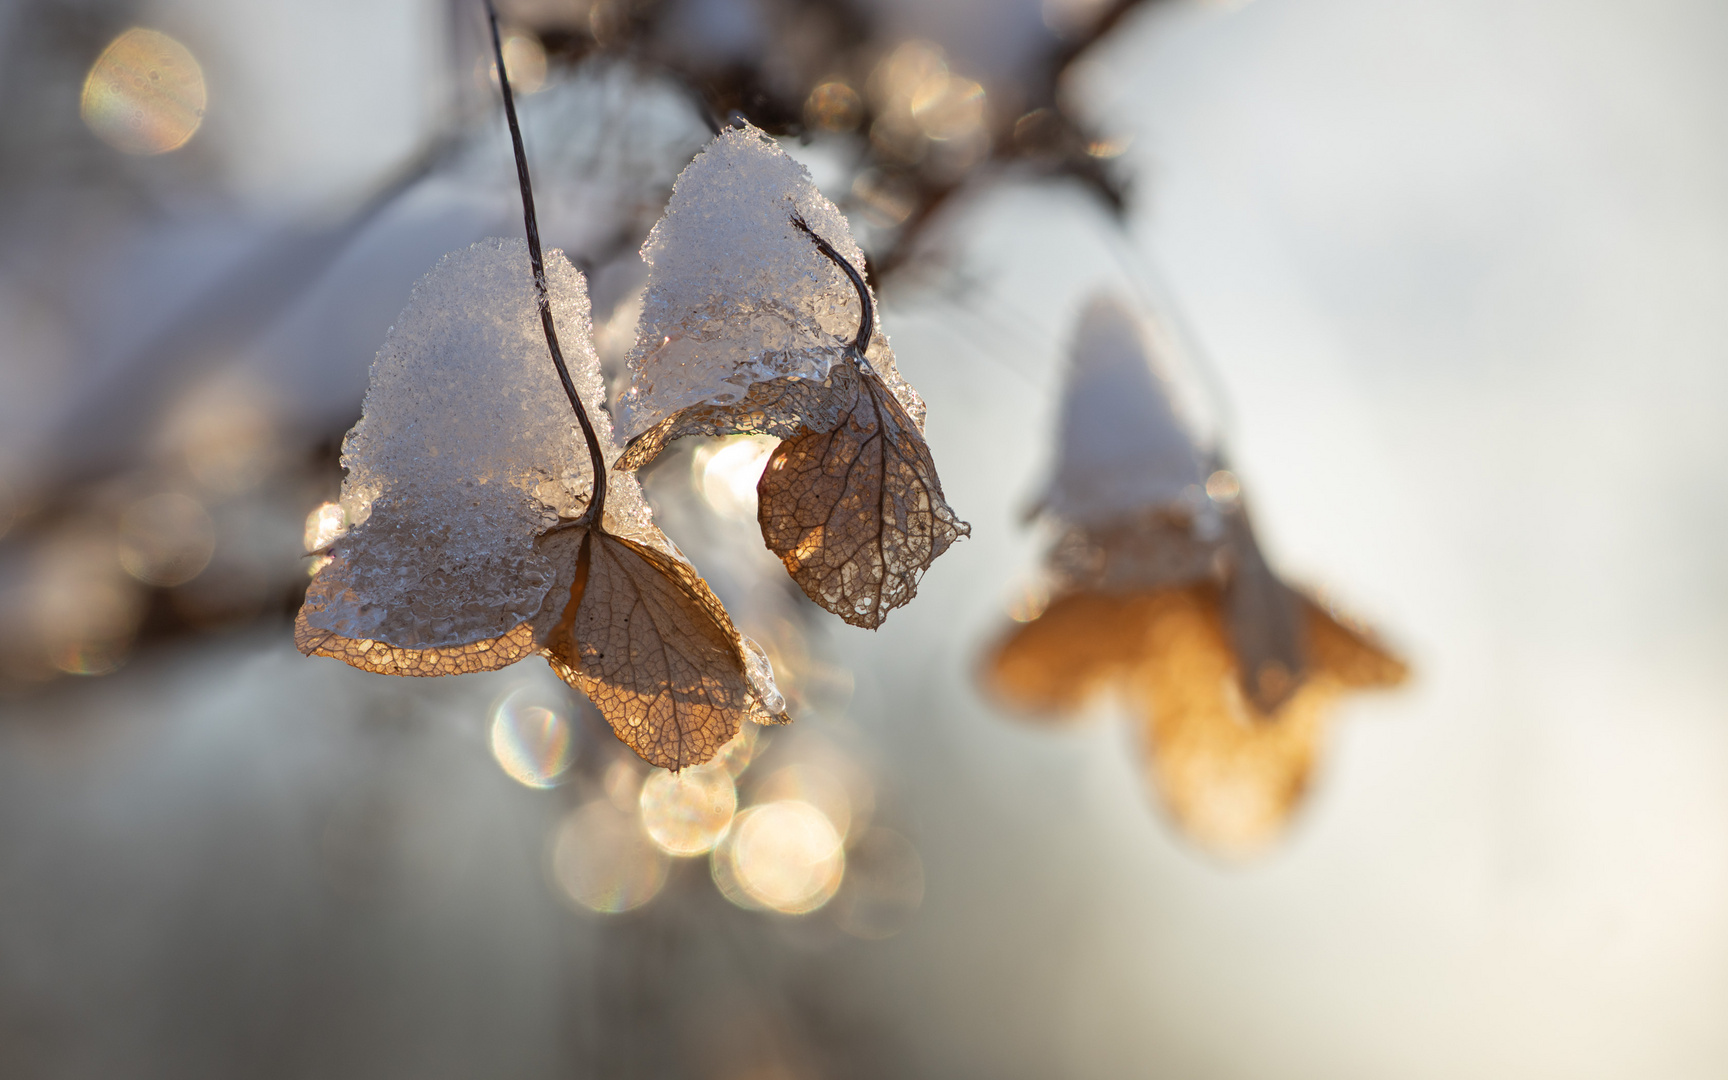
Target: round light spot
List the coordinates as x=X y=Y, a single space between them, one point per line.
x=727 y=474
x=833 y=106
x=323 y=526
x=531 y=736
x=602 y=860
x=524 y=59
x=1223 y=486
x=787 y=856
x=740 y=749
x=947 y=107
x=722 y=868
x=686 y=813
x=166 y=539
x=145 y=94
x=804 y=782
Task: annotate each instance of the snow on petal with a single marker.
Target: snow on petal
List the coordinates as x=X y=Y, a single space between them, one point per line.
x=737 y=295
x=467 y=449
x=1122 y=446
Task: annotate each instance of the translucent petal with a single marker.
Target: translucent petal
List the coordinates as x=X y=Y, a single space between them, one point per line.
x=857 y=513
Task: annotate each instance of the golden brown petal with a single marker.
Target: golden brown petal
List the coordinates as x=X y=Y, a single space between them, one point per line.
x=386 y=659
x=1229 y=775
x=647 y=641
x=1351 y=656
x=519 y=643
x=857 y=513
x=784 y=407
x=1080 y=644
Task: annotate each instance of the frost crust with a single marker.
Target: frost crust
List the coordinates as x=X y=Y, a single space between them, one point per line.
x=466 y=450
x=738 y=296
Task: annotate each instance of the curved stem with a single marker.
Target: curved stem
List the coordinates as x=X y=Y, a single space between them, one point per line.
x=867 y=323
x=596 y=504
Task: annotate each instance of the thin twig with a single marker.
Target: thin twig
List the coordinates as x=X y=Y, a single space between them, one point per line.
x=597 y=504
x=866 y=324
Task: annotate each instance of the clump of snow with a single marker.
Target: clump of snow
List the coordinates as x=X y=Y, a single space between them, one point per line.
x=737 y=295
x=1122 y=448
x=467 y=449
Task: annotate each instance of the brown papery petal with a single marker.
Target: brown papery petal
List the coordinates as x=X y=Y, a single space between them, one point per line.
x=857 y=513
x=647 y=641
x=367 y=655
x=1077 y=647
x=489 y=654
x=1351 y=656
x=1230 y=776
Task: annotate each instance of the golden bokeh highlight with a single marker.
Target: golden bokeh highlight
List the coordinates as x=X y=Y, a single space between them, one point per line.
x=786 y=856
x=918 y=101
x=722 y=869
x=1031 y=602
x=166 y=539
x=622 y=783
x=323 y=525
x=742 y=748
x=79 y=611
x=604 y=862
x=1223 y=486
x=904 y=71
x=687 y=812
x=224 y=434
x=1106 y=149
x=524 y=59
x=145 y=94
x=726 y=473
x=531 y=736
x=948 y=108
x=803 y=782
x=886 y=197
x=833 y=106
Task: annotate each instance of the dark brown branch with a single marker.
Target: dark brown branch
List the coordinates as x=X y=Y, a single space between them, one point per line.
x=597 y=504
x=867 y=317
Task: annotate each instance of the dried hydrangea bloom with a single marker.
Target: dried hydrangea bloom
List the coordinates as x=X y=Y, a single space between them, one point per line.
x=743 y=318
x=464 y=473
x=1231 y=777
x=856 y=513
x=757 y=320
x=1138 y=510
x=1077 y=648
x=1162 y=593
x=1230 y=774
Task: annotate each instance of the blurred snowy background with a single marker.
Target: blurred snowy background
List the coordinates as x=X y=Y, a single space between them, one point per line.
x=1455 y=271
